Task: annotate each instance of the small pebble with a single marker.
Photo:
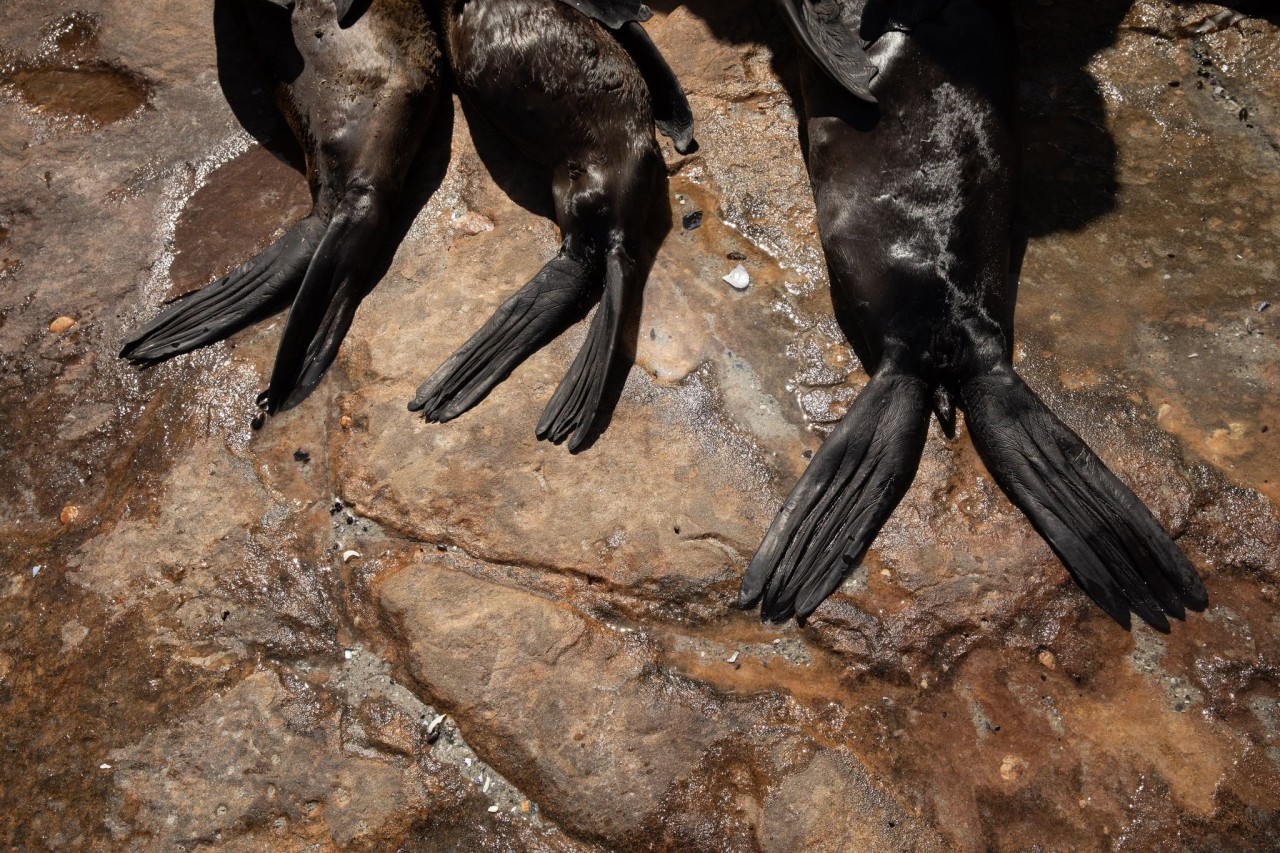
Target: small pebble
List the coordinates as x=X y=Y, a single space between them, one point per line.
x=692 y=220
x=302 y=456
x=69 y=514
x=104 y=766
x=525 y=806
x=1047 y=659
x=733 y=658
x=493 y=809
x=736 y=256
x=345 y=421
x=472 y=223
x=61 y=325
x=1012 y=768
x=1262 y=306
x=739 y=279
x=348 y=556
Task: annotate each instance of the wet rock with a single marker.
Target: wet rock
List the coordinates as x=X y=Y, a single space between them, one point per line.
x=574 y=614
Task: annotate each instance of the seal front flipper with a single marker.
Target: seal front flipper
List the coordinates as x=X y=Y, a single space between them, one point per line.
x=822 y=33
x=552 y=300
x=612 y=13
x=851 y=487
x=1104 y=535
x=256 y=289
x=671 y=111
x=336 y=281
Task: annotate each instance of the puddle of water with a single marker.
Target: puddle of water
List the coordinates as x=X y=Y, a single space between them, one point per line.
x=97 y=93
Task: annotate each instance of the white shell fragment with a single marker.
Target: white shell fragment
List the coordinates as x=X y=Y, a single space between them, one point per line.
x=739 y=279
x=348 y=556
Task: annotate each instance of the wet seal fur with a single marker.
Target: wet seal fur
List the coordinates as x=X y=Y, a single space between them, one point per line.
x=915 y=200
x=358 y=96
x=570 y=97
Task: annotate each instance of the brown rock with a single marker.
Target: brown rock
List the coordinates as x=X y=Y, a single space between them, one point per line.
x=62 y=324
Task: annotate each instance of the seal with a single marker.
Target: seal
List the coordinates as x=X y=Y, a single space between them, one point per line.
x=571 y=98
x=915 y=200
x=359 y=96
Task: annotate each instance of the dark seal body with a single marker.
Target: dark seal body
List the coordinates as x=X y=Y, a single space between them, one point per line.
x=915 y=199
x=358 y=97
x=562 y=89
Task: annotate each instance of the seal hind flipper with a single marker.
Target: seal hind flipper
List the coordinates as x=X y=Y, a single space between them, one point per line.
x=1106 y=537
x=337 y=279
x=833 y=44
x=575 y=406
x=853 y=484
x=538 y=312
x=671 y=111
x=258 y=288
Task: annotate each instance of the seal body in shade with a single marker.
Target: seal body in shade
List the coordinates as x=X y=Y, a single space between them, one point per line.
x=569 y=95
x=359 y=97
x=915 y=199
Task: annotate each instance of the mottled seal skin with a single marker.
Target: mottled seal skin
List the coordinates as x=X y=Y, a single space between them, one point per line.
x=359 y=95
x=569 y=96
x=915 y=201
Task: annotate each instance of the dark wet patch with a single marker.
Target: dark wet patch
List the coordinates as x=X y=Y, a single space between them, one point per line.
x=236 y=213
x=70 y=80
x=98 y=93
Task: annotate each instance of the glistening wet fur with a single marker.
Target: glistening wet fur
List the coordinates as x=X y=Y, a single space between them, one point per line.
x=570 y=96
x=342 y=84
x=916 y=200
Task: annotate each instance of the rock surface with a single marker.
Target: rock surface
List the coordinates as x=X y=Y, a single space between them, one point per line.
x=352 y=629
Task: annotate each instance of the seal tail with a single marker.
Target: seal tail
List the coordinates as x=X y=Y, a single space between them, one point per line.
x=1104 y=535
x=335 y=283
x=853 y=484
x=258 y=288
x=575 y=406
x=526 y=322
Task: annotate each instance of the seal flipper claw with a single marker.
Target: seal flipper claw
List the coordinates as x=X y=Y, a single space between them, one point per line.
x=575 y=405
x=525 y=323
x=258 y=288
x=1105 y=536
x=853 y=484
x=326 y=303
x=831 y=43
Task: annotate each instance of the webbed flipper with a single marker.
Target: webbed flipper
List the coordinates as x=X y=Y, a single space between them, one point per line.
x=338 y=278
x=1108 y=540
x=671 y=111
x=833 y=44
x=612 y=13
x=848 y=492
